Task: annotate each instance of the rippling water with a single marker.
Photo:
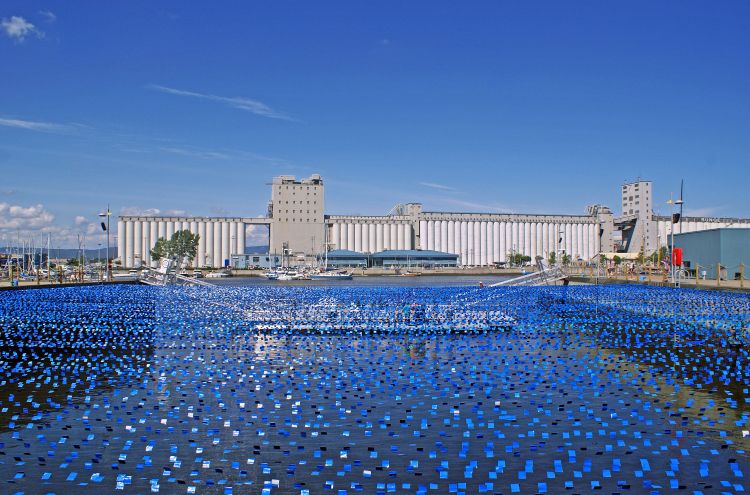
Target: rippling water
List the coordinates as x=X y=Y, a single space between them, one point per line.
x=373 y=390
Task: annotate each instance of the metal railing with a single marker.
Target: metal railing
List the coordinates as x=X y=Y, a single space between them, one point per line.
x=543 y=276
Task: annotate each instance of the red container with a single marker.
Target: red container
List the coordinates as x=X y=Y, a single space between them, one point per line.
x=677 y=256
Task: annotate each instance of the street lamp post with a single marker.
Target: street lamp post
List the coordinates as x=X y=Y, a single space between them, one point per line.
x=108 y=214
x=672 y=203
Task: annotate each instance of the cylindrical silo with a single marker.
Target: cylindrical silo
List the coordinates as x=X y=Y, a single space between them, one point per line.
x=457 y=239
x=335 y=240
x=121 y=242
x=232 y=239
x=514 y=246
x=365 y=237
x=394 y=236
x=343 y=237
x=225 y=241
x=372 y=238
x=200 y=259
x=585 y=241
x=504 y=236
x=465 y=242
x=495 y=242
x=208 y=261
x=379 y=232
x=127 y=261
x=170 y=230
x=161 y=230
x=154 y=236
x=217 y=245
x=430 y=235
x=137 y=243
x=532 y=241
x=451 y=240
x=444 y=229
x=386 y=237
x=482 y=243
x=471 y=247
x=241 y=233
x=350 y=236
x=146 y=248
x=400 y=237
x=437 y=235
x=358 y=237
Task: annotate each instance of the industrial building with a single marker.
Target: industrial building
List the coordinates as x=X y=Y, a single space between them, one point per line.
x=255 y=261
x=412 y=258
x=299 y=230
x=343 y=258
x=639 y=229
x=726 y=250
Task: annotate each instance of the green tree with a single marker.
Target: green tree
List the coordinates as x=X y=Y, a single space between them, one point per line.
x=552 y=258
x=160 y=249
x=617 y=260
x=182 y=243
x=566 y=259
x=185 y=243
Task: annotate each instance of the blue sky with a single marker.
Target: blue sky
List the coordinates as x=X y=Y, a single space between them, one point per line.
x=464 y=106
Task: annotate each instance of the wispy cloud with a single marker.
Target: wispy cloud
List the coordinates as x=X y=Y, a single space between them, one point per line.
x=437 y=186
x=137 y=211
x=196 y=153
x=707 y=211
x=240 y=102
x=48 y=16
x=31 y=125
x=489 y=207
x=18 y=29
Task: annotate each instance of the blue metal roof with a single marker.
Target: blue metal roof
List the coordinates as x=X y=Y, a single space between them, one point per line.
x=413 y=253
x=342 y=253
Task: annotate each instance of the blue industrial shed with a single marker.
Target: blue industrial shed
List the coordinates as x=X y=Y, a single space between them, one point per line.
x=413 y=258
x=704 y=250
x=344 y=258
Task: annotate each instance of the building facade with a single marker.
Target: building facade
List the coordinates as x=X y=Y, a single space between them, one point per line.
x=640 y=229
x=296 y=214
x=725 y=250
x=299 y=230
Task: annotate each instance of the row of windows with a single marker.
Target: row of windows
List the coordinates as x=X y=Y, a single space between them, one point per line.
x=301 y=220
x=315 y=192
x=294 y=202
x=295 y=211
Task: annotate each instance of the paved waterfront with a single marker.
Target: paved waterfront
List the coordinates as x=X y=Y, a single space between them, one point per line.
x=306 y=390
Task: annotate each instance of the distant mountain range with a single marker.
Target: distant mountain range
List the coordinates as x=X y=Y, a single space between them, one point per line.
x=68 y=253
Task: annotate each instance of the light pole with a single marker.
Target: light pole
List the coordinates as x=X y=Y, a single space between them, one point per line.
x=674 y=220
x=107 y=214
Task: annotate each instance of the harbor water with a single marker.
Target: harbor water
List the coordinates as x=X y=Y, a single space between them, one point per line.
x=380 y=386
